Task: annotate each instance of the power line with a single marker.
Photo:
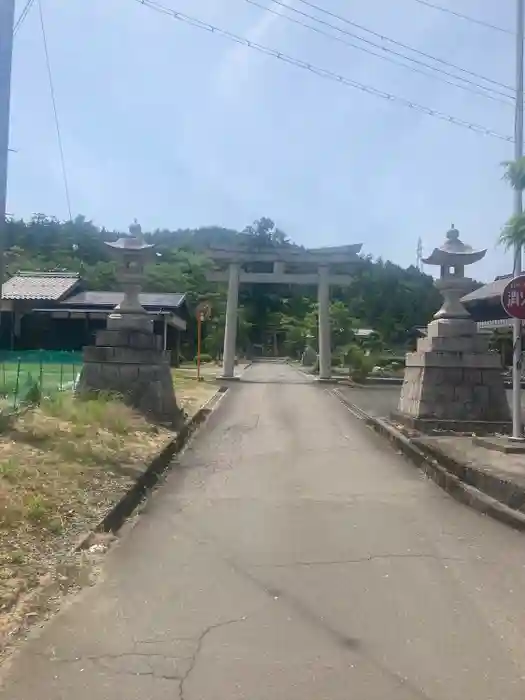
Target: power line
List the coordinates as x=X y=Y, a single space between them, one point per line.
x=23 y=14
x=320 y=72
x=486 y=91
x=55 y=111
x=488 y=25
x=340 y=18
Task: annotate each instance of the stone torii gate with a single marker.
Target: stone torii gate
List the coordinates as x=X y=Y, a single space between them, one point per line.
x=321 y=267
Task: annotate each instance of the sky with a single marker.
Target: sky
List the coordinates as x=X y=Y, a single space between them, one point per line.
x=182 y=128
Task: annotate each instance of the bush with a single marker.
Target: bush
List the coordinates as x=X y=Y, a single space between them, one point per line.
x=204 y=358
x=360 y=365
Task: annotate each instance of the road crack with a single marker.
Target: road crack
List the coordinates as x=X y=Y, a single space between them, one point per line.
x=198 y=648
x=358 y=560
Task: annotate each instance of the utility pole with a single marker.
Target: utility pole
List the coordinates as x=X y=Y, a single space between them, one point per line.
x=518 y=210
x=419 y=254
x=7 y=21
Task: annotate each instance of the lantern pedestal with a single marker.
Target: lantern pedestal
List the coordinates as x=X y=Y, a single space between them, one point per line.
x=127 y=358
x=132 y=364
x=452 y=381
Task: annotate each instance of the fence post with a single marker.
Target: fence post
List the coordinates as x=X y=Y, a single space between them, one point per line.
x=41 y=375
x=62 y=376
x=17 y=384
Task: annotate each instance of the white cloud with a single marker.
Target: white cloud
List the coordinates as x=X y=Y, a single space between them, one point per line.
x=237 y=63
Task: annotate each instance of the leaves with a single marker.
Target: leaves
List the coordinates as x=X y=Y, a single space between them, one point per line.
x=382 y=296
x=515 y=173
x=513 y=233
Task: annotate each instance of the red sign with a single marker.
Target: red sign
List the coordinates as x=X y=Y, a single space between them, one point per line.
x=513 y=297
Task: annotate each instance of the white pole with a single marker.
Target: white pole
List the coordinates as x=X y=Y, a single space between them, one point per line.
x=518 y=209
x=7 y=20
x=323 y=294
x=230 y=330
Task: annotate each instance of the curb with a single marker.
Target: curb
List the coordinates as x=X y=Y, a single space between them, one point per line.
x=115 y=517
x=120 y=511
x=437 y=470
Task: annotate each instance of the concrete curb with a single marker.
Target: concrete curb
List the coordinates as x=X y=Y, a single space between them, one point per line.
x=114 y=519
x=120 y=511
x=437 y=470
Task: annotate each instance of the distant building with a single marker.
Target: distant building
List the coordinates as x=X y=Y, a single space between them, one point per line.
x=485 y=307
x=54 y=311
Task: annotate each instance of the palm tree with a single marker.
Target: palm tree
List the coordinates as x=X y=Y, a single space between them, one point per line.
x=515 y=173
x=513 y=233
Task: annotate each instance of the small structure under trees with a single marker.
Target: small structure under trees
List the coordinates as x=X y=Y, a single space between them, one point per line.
x=320 y=267
x=55 y=311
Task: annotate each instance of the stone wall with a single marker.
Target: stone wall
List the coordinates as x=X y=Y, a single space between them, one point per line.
x=452 y=376
x=130 y=363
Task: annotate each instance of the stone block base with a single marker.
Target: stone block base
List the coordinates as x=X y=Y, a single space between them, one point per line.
x=499 y=443
x=436 y=425
x=455 y=393
x=131 y=365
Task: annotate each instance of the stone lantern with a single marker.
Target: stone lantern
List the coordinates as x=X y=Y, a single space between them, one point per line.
x=452 y=257
x=452 y=380
x=131 y=254
x=127 y=358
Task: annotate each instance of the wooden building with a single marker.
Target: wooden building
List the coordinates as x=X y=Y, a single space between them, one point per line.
x=54 y=311
x=485 y=307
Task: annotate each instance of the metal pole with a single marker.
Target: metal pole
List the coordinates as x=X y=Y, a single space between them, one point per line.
x=199 y=336
x=7 y=20
x=518 y=209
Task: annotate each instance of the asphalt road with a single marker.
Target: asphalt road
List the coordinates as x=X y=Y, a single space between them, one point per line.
x=293 y=556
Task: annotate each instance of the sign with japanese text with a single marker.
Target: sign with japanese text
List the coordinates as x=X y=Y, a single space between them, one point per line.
x=513 y=297
x=203 y=311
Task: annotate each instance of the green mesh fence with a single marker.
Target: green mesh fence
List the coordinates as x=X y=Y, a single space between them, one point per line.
x=27 y=376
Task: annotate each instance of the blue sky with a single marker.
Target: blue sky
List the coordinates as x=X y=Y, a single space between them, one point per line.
x=181 y=128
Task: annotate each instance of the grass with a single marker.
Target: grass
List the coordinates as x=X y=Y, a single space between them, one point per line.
x=52 y=377
x=63 y=465
x=192 y=394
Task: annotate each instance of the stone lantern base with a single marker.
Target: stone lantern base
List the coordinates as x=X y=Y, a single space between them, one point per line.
x=130 y=363
x=453 y=382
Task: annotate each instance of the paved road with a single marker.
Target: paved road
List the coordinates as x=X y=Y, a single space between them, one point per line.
x=294 y=557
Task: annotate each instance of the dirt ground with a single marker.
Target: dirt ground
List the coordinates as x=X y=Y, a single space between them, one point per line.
x=63 y=465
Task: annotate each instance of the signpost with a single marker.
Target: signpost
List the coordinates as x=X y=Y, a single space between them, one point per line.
x=513 y=297
x=203 y=313
x=513 y=302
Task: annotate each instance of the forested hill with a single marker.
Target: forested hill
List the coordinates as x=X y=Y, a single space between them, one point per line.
x=383 y=296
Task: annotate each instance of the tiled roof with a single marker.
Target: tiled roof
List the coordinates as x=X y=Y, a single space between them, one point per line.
x=157 y=301
x=492 y=290
x=44 y=286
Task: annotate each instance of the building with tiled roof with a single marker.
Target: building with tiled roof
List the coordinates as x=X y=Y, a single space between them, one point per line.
x=54 y=311
x=40 y=286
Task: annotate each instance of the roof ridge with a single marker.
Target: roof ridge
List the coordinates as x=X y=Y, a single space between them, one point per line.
x=41 y=273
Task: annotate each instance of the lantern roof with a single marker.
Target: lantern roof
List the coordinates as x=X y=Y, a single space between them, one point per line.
x=132 y=242
x=454 y=252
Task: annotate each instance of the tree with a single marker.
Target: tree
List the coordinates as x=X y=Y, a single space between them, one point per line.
x=263 y=233
x=513 y=233
x=382 y=296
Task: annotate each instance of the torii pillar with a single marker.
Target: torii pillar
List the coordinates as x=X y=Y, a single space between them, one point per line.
x=230 y=329
x=312 y=267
